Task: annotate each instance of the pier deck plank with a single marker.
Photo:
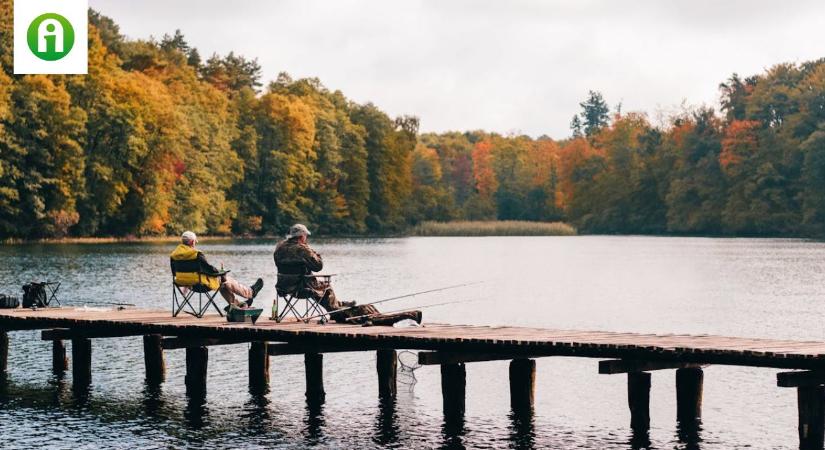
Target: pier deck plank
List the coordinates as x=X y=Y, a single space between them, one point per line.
x=518 y=341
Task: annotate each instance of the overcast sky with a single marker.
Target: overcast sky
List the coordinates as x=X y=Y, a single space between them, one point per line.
x=506 y=66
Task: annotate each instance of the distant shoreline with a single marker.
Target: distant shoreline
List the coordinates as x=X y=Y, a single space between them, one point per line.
x=456 y=228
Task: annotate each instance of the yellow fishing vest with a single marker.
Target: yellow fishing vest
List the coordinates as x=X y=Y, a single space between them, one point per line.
x=187 y=269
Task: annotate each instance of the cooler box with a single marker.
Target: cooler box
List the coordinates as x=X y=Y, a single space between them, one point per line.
x=243 y=315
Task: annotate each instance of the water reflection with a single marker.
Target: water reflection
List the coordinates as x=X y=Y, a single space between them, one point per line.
x=757 y=288
x=453 y=431
x=258 y=416
x=522 y=430
x=81 y=395
x=688 y=432
x=152 y=399
x=196 y=414
x=314 y=421
x=640 y=439
x=386 y=423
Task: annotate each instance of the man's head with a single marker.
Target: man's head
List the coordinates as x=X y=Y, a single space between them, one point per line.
x=189 y=238
x=299 y=232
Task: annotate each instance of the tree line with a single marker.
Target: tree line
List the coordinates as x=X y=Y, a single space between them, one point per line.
x=157 y=139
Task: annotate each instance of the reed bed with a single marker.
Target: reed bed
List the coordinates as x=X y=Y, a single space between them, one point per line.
x=494 y=228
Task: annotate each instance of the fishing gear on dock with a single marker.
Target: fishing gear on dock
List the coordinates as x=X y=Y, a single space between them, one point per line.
x=99 y=302
x=395 y=298
x=412 y=308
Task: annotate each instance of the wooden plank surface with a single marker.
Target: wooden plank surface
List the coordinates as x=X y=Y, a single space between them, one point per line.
x=700 y=349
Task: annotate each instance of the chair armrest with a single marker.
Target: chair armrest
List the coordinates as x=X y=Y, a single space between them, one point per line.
x=321 y=275
x=219 y=273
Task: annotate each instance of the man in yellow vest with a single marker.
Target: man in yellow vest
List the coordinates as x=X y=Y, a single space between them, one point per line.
x=189 y=266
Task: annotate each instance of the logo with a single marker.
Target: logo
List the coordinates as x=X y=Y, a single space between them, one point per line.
x=50 y=37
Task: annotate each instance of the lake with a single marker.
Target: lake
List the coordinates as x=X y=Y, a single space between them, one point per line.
x=769 y=288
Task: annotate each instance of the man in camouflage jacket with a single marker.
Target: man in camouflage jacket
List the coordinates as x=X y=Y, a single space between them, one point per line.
x=295 y=260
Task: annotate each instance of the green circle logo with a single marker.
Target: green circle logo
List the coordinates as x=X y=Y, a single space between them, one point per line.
x=50 y=37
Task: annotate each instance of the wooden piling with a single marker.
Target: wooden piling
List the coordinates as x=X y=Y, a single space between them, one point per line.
x=4 y=355
x=60 y=362
x=689 y=394
x=258 y=367
x=153 y=359
x=638 y=399
x=811 y=401
x=314 y=365
x=81 y=362
x=522 y=385
x=386 y=364
x=453 y=389
x=197 y=359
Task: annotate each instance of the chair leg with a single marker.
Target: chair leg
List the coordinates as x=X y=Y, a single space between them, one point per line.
x=212 y=302
x=289 y=306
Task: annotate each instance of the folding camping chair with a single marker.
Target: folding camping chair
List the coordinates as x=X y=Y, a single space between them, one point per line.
x=292 y=299
x=182 y=295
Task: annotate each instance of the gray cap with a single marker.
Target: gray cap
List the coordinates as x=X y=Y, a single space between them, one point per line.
x=297 y=230
x=188 y=238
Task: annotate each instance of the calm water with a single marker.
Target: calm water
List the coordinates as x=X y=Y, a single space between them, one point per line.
x=742 y=287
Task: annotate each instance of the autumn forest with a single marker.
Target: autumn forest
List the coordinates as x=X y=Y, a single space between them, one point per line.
x=158 y=138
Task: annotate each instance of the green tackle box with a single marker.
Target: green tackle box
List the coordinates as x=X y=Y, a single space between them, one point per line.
x=243 y=315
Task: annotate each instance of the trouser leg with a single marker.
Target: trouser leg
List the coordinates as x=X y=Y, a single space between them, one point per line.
x=329 y=301
x=230 y=288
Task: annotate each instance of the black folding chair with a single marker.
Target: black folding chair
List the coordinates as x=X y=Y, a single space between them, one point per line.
x=182 y=295
x=299 y=303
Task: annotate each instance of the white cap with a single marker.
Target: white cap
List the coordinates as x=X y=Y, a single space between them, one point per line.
x=297 y=230
x=189 y=238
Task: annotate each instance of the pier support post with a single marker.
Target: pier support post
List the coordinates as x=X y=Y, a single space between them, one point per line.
x=689 y=394
x=153 y=359
x=811 y=417
x=314 y=365
x=386 y=364
x=4 y=355
x=453 y=388
x=258 y=367
x=60 y=363
x=196 y=363
x=638 y=399
x=522 y=385
x=81 y=362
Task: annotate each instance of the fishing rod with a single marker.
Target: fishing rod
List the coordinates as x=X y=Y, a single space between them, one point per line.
x=99 y=302
x=395 y=298
x=410 y=309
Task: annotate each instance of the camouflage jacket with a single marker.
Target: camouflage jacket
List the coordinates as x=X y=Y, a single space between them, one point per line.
x=294 y=259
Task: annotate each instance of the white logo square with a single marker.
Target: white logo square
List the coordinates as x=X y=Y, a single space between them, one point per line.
x=51 y=36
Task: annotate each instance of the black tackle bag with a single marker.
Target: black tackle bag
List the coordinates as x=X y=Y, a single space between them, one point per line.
x=34 y=294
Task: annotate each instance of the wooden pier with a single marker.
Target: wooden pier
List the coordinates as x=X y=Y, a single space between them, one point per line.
x=450 y=346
